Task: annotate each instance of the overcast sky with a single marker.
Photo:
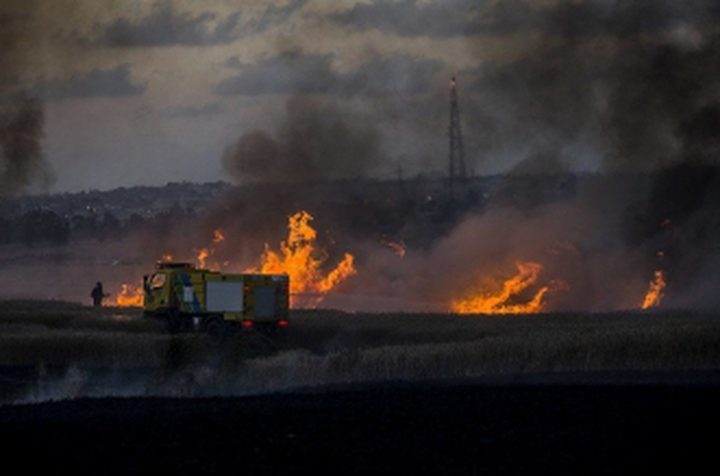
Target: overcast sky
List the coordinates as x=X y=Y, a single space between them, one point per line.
x=146 y=92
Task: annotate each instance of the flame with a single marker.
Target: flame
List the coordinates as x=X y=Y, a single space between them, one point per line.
x=398 y=247
x=204 y=253
x=129 y=296
x=303 y=263
x=133 y=296
x=202 y=256
x=218 y=236
x=501 y=302
x=656 y=290
x=342 y=271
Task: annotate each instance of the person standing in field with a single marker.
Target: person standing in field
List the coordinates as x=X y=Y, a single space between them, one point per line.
x=98 y=295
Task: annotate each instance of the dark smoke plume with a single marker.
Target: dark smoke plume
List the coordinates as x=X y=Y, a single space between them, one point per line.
x=22 y=163
x=314 y=141
x=21 y=157
x=634 y=84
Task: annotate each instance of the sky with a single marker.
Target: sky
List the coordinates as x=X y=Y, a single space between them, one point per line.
x=134 y=92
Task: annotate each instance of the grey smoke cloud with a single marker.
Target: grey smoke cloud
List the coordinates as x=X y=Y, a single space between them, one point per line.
x=22 y=162
x=296 y=72
x=472 y=18
x=115 y=82
x=595 y=84
x=198 y=110
x=167 y=26
x=315 y=140
x=578 y=84
x=321 y=138
x=635 y=88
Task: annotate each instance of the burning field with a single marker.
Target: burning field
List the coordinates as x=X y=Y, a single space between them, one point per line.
x=262 y=206
x=563 y=255
x=531 y=280
x=501 y=289
x=393 y=277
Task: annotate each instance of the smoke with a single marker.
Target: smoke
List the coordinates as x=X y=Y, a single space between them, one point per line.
x=620 y=87
x=591 y=85
x=314 y=141
x=663 y=107
x=22 y=162
x=584 y=264
x=629 y=86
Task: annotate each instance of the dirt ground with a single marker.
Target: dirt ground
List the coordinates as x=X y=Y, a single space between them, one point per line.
x=441 y=428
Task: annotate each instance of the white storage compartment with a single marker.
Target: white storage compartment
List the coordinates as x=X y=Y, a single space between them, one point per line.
x=224 y=296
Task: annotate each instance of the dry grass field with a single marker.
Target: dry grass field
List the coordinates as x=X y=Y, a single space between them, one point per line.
x=55 y=350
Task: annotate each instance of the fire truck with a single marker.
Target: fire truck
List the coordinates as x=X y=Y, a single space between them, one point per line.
x=189 y=298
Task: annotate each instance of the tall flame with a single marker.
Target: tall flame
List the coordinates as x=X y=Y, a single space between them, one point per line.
x=204 y=253
x=502 y=301
x=656 y=290
x=129 y=296
x=303 y=263
x=202 y=256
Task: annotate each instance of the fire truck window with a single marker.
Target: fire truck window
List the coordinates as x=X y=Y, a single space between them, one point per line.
x=158 y=281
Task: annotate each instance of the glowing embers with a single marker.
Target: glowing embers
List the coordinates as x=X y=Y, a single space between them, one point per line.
x=397 y=247
x=303 y=262
x=656 y=290
x=129 y=296
x=514 y=295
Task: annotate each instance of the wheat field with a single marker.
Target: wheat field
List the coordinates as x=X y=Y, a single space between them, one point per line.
x=57 y=341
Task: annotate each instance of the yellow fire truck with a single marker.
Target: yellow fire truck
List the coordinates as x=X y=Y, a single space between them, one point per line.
x=188 y=298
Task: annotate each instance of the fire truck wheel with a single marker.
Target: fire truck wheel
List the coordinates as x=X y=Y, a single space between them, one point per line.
x=173 y=322
x=215 y=328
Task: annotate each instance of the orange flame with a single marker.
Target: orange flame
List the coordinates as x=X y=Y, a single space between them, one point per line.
x=656 y=290
x=501 y=302
x=204 y=253
x=167 y=257
x=129 y=296
x=398 y=247
x=298 y=258
x=218 y=236
x=342 y=271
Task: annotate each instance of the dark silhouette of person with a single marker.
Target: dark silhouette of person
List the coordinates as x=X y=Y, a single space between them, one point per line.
x=97 y=294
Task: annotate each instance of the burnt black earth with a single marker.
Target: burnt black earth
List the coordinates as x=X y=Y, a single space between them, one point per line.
x=466 y=427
